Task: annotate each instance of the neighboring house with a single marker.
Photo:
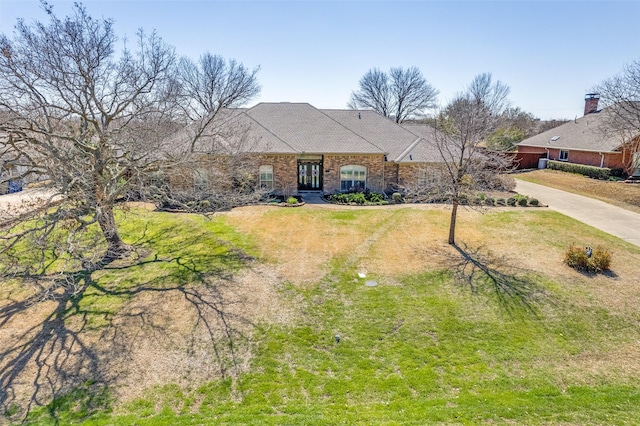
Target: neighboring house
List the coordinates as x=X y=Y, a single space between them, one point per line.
x=10 y=175
x=301 y=148
x=585 y=141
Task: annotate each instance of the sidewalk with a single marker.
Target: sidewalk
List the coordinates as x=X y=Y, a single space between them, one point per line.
x=16 y=203
x=613 y=220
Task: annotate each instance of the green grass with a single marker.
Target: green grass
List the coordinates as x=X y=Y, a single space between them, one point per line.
x=425 y=351
x=417 y=349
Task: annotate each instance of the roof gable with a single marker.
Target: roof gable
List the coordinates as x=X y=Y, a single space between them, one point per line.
x=377 y=129
x=583 y=134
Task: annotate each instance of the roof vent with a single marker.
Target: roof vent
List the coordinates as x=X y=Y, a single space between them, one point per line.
x=555 y=138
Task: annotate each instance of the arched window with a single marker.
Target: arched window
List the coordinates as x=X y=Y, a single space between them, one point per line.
x=353 y=178
x=266 y=178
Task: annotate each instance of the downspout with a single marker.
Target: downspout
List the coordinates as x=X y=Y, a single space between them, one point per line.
x=601 y=160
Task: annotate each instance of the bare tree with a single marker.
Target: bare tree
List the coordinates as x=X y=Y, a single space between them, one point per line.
x=80 y=117
x=402 y=94
x=461 y=126
x=211 y=85
x=621 y=93
x=91 y=121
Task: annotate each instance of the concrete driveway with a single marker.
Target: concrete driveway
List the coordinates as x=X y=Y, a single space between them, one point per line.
x=613 y=220
x=14 y=204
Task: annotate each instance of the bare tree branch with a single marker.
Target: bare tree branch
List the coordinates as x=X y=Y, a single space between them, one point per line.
x=621 y=94
x=461 y=126
x=402 y=94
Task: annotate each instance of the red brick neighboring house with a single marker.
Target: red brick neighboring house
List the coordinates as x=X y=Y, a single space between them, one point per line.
x=301 y=148
x=584 y=141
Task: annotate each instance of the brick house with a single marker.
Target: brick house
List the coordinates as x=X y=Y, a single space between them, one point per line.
x=296 y=147
x=585 y=141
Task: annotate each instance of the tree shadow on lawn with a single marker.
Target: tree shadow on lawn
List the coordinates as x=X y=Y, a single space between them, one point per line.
x=73 y=353
x=516 y=291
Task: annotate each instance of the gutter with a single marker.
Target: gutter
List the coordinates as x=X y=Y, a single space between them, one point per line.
x=565 y=148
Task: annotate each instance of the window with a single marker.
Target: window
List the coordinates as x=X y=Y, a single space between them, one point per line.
x=266 y=178
x=564 y=155
x=200 y=180
x=353 y=178
x=157 y=180
x=428 y=177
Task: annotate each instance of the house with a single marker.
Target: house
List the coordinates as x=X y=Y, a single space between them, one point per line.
x=586 y=141
x=11 y=175
x=297 y=148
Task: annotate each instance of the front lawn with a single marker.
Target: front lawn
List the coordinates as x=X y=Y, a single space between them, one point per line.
x=435 y=341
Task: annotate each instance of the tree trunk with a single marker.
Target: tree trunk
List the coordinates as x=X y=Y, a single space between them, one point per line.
x=452 y=224
x=116 y=247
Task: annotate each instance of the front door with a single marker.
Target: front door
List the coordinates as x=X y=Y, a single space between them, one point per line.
x=309 y=175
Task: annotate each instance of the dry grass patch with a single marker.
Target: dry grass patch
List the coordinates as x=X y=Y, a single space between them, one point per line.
x=301 y=242
x=185 y=335
x=619 y=194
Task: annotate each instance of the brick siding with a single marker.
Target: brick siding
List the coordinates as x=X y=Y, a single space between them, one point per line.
x=375 y=170
x=285 y=172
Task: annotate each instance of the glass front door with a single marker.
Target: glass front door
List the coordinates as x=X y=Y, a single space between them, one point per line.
x=309 y=175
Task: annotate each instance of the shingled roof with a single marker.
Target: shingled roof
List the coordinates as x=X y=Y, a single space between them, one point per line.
x=300 y=128
x=309 y=130
x=583 y=134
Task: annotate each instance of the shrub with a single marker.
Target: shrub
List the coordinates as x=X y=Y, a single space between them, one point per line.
x=357 y=198
x=512 y=201
x=501 y=201
x=292 y=200
x=396 y=197
x=577 y=258
x=374 y=197
x=489 y=201
x=600 y=259
x=591 y=171
x=534 y=202
x=618 y=172
x=523 y=202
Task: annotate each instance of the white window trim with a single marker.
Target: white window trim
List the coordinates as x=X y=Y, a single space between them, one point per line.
x=266 y=169
x=560 y=155
x=354 y=168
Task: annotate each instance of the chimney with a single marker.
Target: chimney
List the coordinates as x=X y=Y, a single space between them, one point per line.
x=591 y=103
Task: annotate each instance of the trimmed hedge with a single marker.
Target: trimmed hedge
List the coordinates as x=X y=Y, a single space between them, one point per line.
x=359 y=198
x=581 y=169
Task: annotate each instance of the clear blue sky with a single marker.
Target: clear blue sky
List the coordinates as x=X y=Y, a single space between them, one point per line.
x=549 y=52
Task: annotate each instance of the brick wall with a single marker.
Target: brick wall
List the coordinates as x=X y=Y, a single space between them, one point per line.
x=217 y=170
x=611 y=160
x=285 y=172
x=373 y=163
x=408 y=173
x=391 y=171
